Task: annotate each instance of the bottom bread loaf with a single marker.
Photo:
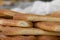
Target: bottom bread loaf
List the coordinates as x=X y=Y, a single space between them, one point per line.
x=25 y=31
x=3 y=37
x=47 y=38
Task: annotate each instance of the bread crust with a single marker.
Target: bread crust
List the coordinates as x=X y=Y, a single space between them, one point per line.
x=32 y=17
x=4 y=37
x=49 y=26
x=25 y=31
x=17 y=23
x=47 y=38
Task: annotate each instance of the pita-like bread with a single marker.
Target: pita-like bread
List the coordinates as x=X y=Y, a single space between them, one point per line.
x=50 y=26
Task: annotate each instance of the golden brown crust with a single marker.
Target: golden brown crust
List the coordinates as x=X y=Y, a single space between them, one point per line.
x=4 y=37
x=32 y=17
x=20 y=23
x=15 y=37
x=49 y=26
x=25 y=31
x=47 y=38
x=54 y=14
x=8 y=12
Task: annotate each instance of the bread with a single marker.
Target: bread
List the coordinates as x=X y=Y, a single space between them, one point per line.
x=17 y=37
x=47 y=38
x=49 y=26
x=20 y=23
x=25 y=31
x=29 y=17
x=54 y=14
x=2 y=14
x=58 y=37
x=7 y=12
x=32 y=17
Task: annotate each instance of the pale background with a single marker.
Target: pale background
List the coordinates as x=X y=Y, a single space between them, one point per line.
x=7 y=4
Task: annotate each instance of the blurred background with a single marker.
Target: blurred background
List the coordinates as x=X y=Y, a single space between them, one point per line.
x=8 y=4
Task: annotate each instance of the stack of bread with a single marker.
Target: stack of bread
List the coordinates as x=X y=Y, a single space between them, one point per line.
x=18 y=26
